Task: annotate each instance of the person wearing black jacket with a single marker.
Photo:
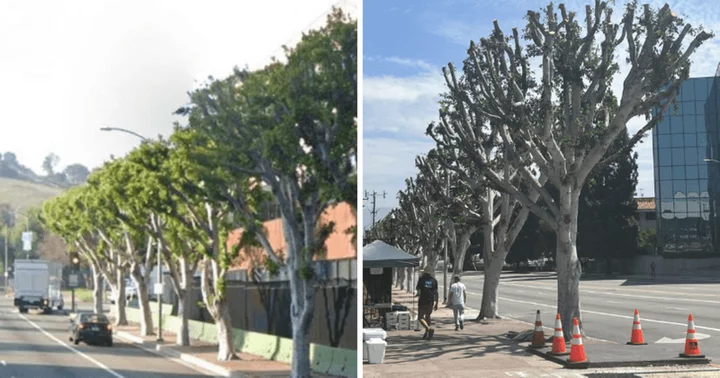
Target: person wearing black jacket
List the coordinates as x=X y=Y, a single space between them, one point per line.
x=427 y=288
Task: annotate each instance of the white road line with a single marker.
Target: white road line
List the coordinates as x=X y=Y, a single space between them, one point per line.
x=81 y=354
x=614 y=315
x=618 y=294
x=613 y=302
x=678 y=308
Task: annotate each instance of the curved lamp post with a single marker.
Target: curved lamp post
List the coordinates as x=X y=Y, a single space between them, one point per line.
x=124 y=131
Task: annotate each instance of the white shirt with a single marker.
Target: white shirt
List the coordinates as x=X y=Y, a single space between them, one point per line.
x=458 y=293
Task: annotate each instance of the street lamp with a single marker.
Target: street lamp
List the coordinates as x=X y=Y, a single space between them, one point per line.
x=159 y=283
x=124 y=131
x=73 y=280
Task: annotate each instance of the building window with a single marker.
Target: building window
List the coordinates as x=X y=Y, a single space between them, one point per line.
x=650 y=216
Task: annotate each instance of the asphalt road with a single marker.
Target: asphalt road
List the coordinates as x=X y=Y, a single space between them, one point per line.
x=36 y=345
x=607 y=305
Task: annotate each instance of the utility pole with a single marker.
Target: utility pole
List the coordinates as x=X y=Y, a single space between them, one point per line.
x=372 y=197
x=445 y=258
x=5 y=266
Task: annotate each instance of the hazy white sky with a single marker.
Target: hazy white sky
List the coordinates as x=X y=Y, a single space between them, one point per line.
x=71 y=67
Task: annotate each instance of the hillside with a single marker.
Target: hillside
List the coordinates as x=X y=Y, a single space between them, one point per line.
x=24 y=193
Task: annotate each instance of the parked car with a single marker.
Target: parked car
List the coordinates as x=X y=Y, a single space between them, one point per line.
x=91 y=329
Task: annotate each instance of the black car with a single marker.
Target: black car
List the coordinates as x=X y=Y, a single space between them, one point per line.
x=91 y=328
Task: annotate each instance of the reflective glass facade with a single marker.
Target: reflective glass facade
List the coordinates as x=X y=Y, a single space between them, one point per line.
x=686 y=186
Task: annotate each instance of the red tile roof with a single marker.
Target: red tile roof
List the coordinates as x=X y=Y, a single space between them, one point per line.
x=339 y=244
x=645 y=203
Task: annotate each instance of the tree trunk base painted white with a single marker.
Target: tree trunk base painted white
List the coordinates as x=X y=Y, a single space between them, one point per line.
x=301 y=354
x=226 y=345
x=491 y=282
x=98 y=299
x=183 y=332
x=146 y=324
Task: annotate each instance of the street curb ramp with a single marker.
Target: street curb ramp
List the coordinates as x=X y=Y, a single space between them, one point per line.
x=618 y=364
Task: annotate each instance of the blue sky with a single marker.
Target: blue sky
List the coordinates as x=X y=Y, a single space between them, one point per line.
x=406 y=44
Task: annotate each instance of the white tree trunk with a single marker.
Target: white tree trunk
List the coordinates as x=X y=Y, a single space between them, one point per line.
x=301 y=315
x=226 y=344
x=120 y=301
x=218 y=307
x=183 y=332
x=461 y=251
x=568 y=265
x=98 y=290
x=146 y=322
x=432 y=261
x=183 y=295
x=493 y=270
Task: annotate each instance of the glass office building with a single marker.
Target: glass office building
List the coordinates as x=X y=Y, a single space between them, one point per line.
x=687 y=171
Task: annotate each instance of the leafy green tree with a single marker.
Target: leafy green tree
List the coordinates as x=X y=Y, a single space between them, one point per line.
x=65 y=217
x=289 y=128
x=119 y=187
x=190 y=225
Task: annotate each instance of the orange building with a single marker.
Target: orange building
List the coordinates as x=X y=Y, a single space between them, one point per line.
x=339 y=244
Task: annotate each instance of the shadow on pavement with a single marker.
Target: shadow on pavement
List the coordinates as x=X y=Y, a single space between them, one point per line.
x=413 y=348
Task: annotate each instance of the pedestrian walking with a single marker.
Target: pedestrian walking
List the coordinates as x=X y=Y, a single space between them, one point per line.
x=457 y=299
x=652 y=269
x=427 y=286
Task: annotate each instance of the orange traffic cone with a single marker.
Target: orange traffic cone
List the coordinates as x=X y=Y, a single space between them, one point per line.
x=636 y=337
x=538 y=339
x=692 y=348
x=577 y=349
x=558 y=345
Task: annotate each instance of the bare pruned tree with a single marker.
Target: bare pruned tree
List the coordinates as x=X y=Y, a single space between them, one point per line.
x=563 y=122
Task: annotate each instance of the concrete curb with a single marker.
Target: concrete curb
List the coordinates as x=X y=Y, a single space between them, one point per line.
x=169 y=353
x=563 y=360
x=129 y=337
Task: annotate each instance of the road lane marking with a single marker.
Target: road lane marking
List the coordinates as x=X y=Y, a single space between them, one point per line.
x=667 y=340
x=622 y=295
x=614 y=315
x=81 y=354
x=613 y=302
x=678 y=308
x=551 y=285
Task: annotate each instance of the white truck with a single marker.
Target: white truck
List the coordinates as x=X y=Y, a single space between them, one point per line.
x=37 y=284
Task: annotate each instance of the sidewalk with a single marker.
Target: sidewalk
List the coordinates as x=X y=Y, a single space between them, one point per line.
x=484 y=348
x=204 y=356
